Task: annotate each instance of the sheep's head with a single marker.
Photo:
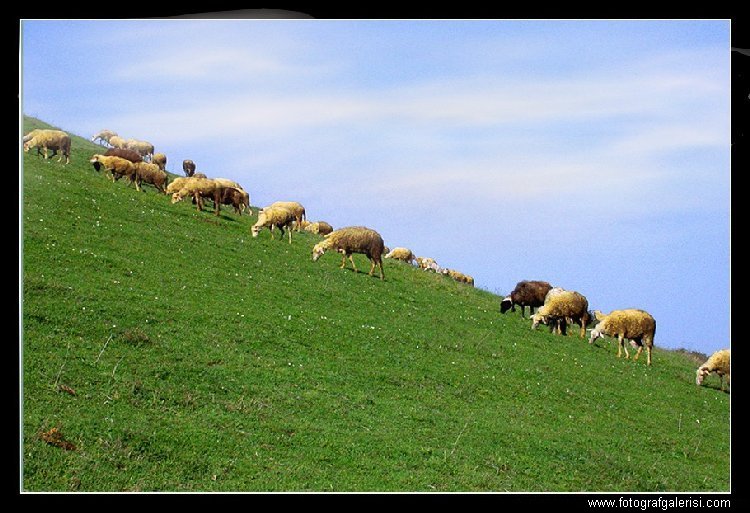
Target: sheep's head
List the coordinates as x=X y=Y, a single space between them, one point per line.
x=27 y=144
x=700 y=374
x=318 y=251
x=177 y=196
x=595 y=333
x=537 y=319
x=506 y=304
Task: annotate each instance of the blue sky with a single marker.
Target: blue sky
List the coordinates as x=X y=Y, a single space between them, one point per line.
x=591 y=154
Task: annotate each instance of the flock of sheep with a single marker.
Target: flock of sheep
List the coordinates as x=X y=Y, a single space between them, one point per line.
x=556 y=307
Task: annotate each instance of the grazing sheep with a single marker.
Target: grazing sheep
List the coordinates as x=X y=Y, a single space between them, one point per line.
x=403 y=254
x=226 y=182
x=459 y=276
x=188 y=167
x=718 y=363
x=427 y=264
x=55 y=140
x=271 y=217
x=318 y=227
x=118 y=166
x=527 y=293
x=150 y=173
x=564 y=307
x=297 y=209
x=353 y=239
x=636 y=325
x=559 y=327
x=234 y=197
x=126 y=154
x=198 y=188
x=103 y=136
x=160 y=160
x=118 y=142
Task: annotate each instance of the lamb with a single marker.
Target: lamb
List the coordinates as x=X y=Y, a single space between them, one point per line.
x=353 y=239
x=403 y=254
x=458 y=276
x=271 y=217
x=636 y=325
x=566 y=306
x=150 y=173
x=103 y=136
x=130 y=155
x=118 y=142
x=718 y=363
x=160 y=160
x=198 y=188
x=144 y=148
x=188 y=167
x=297 y=209
x=55 y=140
x=527 y=293
x=118 y=166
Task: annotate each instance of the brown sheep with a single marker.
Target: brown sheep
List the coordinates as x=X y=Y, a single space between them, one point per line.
x=526 y=293
x=234 y=197
x=188 y=167
x=150 y=173
x=297 y=209
x=353 y=239
x=198 y=188
x=124 y=153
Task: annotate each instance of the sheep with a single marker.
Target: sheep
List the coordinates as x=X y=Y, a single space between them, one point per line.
x=560 y=324
x=144 y=148
x=118 y=166
x=55 y=140
x=188 y=167
x=459 y=276
x=427 y=264
x=353 y=239
x=198 y=188
x=226 y=182
x=403 y=254
x=271 y=217
x=636 y=325
x=234 y=197
x=527 y=293
x=297 y=209
x=160 y=160
x=566 y=306
x=318 y=227
x=150 y=173
x=199 y=175
x=718 y=363
x=130 y=155
x=103 y=136
x=118 y=142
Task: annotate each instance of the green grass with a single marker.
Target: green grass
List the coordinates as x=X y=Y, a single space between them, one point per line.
x=205 y=360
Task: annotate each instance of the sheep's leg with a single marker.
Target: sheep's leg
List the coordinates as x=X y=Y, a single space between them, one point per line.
x=290 y=235
x=619 y=346
x=372 y=267
x=343 y=261
x=621 y=341
x=351 y=259
x=382 y=273
x=648 y=356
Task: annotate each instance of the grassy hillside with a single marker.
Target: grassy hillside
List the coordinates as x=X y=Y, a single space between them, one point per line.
x=176 y=353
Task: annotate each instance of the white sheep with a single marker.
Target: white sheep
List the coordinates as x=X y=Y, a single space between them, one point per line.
x=427 y=264
x=350 y=240
x=144 y=148
x=459 y=276
x=118 y=142
x=403 y=254
x=271 y=217
x=718 y=363
x=103 y=136
x=55 y=140
x=638 y=326
x=198 y=188
x=561 y=307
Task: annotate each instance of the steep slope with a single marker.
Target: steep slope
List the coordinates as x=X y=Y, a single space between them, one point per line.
x=176 y=353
